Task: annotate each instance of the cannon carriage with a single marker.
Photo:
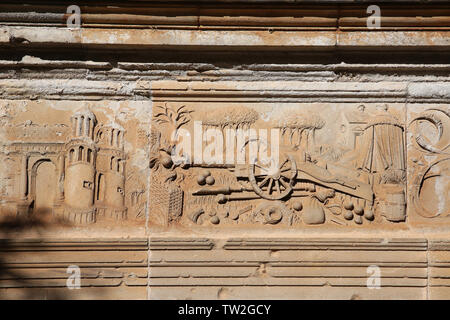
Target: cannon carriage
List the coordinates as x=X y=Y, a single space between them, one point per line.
x=306 y=178
x=294 y=175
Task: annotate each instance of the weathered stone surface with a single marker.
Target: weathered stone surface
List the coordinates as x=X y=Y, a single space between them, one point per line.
x=292 y=267
x=89 y=176
x=37 y=269
x=71 y=163
x=330 y=161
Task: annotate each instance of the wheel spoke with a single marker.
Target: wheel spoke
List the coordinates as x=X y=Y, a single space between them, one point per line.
x=277 y=183
x=263 y=182
x=284 y=162
x=270 y=186
x=262 y=168
x=284 y=183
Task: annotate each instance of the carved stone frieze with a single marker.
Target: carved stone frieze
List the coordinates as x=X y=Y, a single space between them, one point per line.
x=283 y=164
x=225 y=150
x=77 y=163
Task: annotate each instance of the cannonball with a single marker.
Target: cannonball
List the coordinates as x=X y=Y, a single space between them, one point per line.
x=358 y=220
x=166 y=161
x=206 y=173
x=297 y=206
x=359 y=210
x=348 y=215
x=210 y=180
x=221 y=198
x=348 y=205
x=201 y=180
x=368 y=214
x=214 y=220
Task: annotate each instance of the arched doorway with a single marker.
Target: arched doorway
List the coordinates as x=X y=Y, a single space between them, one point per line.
x=44 y=187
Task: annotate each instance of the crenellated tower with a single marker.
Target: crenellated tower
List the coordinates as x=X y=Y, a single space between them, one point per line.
x=80 y=169
x=110 y=179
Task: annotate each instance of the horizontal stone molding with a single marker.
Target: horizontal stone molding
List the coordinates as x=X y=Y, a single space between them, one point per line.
x=414 y=267
x=262 y=91
x=235 y=14
x=222 y=40
x=329 y=244
x=180 y=244
x=251 y=91
x=73 y=245
x=439 y=245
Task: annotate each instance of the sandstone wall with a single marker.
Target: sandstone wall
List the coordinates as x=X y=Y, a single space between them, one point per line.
x=87 y=178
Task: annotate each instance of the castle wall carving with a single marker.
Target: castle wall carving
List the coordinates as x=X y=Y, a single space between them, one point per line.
x=73 y=168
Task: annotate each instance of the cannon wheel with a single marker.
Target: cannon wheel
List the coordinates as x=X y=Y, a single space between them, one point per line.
x=273 y=185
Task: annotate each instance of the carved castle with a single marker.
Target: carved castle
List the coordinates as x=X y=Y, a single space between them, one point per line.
x=79 y=179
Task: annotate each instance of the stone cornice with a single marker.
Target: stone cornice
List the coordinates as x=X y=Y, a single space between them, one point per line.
x=281 y=16
x=281 y=26
x=222 y=40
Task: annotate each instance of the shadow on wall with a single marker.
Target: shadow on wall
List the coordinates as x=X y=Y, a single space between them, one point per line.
x=23 y=274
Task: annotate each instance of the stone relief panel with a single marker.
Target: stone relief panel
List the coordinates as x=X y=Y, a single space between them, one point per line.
x=196 y=163
x=429 y=162
x=78 y=162
x=282 y=164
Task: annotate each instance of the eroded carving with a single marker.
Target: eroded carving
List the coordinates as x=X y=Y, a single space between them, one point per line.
x=73 y=170
x=357 y=177
x=430 y=162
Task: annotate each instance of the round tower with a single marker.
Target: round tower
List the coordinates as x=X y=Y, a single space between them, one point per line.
x=111 y=170
x=79 y=181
